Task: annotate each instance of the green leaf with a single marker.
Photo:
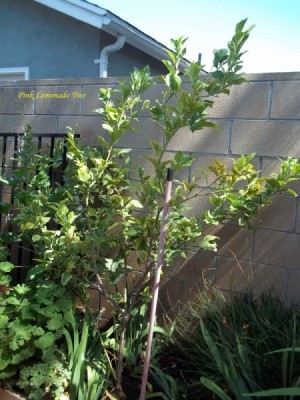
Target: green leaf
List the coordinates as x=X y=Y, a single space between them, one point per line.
x=157 y=113
x=240 y=25
x=117 y=269
x=45 y=341
x=214 y=388
x=156 y=146
x=107 y=128
x=65 y=278
x=183 y=160
x=6 y=266
x=27 y=226
x=169 y=65
x=156 y=395
x=292 y=192
x=220 y=56
x=44 y=220
x=173 y=81
x=289 y=391
x=3 y=322
x=84 y=174
x=123 y=151
x=22 y=289
x=35 y=238
x=146 y=104
x=286 y=349
x=208 y=243
x=194 y=70
x=55 y=323
x=218 y=74
x=135 y=204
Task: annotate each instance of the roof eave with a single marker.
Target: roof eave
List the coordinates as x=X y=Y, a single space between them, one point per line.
x=95 y=16
x=138 y=39
x=110 y=23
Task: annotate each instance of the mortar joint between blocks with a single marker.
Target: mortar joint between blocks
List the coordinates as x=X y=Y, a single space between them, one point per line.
x=230 y=125
x=270 y=100
x=296 y=210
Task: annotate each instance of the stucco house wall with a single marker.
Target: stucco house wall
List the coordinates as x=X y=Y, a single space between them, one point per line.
x=54 y=45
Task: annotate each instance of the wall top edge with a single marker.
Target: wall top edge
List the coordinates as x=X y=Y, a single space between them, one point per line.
x=253 y=77
x=273 y=76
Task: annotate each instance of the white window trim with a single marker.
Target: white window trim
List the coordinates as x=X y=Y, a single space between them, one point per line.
x=14 y=71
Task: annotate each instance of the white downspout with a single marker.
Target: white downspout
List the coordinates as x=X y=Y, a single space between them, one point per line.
x=103 y=61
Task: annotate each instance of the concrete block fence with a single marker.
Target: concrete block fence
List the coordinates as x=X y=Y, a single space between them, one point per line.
x=261 y=116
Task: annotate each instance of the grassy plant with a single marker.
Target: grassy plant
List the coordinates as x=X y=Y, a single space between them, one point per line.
x=88 y=361
x=167 y=384
x=290 y=371
x=225 y=343
x=235 y=367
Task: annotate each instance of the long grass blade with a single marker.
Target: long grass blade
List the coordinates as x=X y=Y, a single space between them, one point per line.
x=214 y=388
x=290 y=391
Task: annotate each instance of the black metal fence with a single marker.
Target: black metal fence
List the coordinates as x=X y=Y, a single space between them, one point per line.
x=22 y=254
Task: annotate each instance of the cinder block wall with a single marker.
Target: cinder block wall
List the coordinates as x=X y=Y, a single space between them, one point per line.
x=261 y=116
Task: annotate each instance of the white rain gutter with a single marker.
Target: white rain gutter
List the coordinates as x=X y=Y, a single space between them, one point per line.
x=103 y=60
x=138 y=39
